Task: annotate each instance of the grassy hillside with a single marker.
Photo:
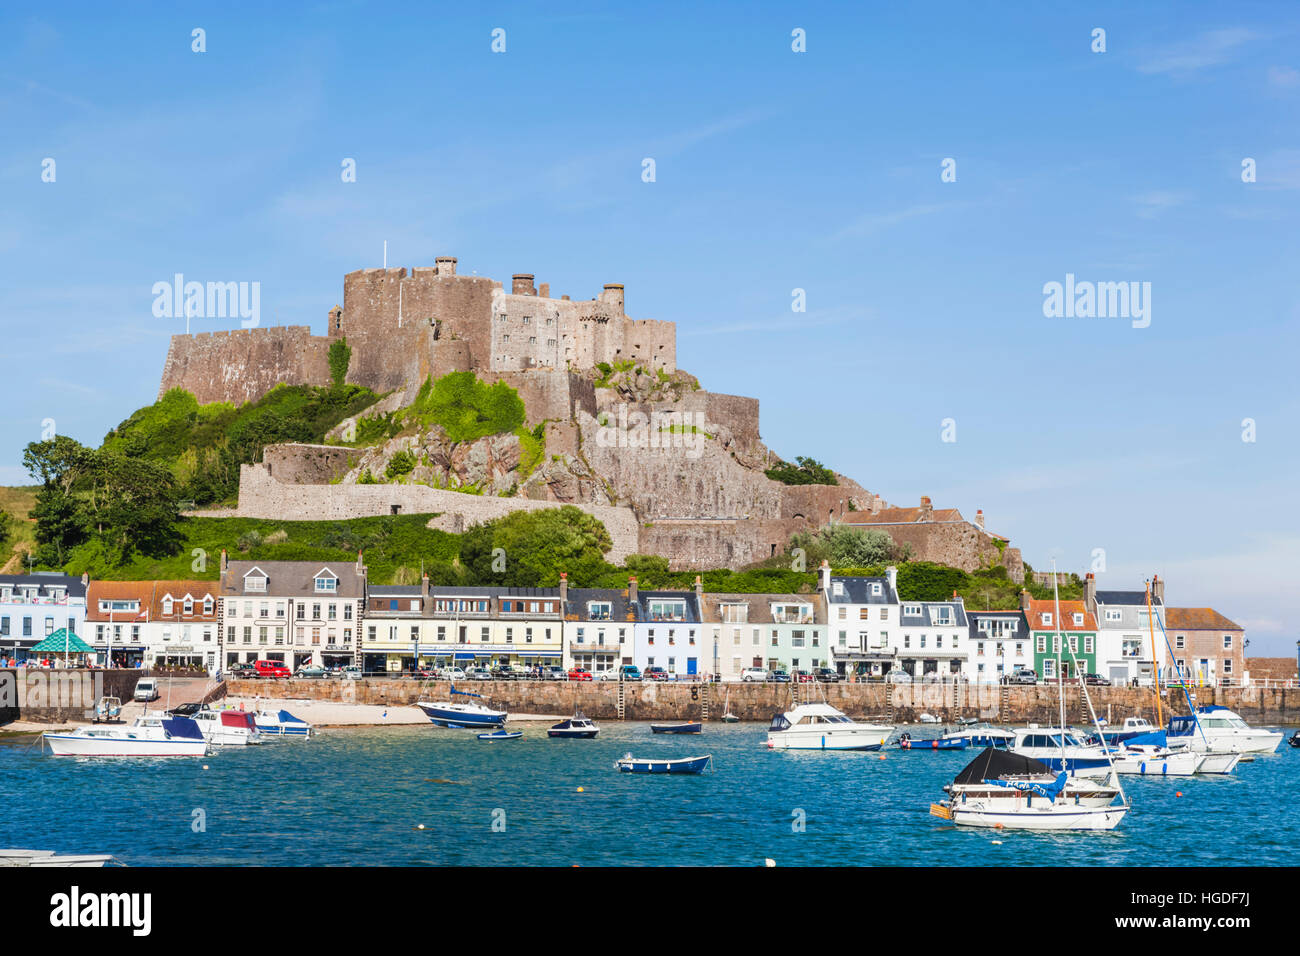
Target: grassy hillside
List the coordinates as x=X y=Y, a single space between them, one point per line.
x=394 y=547
x=204 y=445
x=17 y=502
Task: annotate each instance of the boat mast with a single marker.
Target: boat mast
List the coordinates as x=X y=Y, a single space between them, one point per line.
x=1060 y=684
x=1151 y=626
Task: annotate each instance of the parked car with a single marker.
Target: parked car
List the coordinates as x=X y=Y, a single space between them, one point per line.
x=898 y=677
x=352 y=672
x=478 y=673
x=146 y=688
x=185 y=710
x=272 y=669
x=1096 y=679
x=778 y=677
x=579 y=674
x=311 y=672
x=241 y=670
x=554 y=672
x=656 y=673
x=1021 y=675
x=502 y=672
x=625 y=672
x=828 y=675
x=754 y=674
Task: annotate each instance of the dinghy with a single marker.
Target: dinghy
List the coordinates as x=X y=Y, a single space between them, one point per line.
x=629 y=764
x=907 y=742
x=502 y=734
x=727 y=716
x=684 y=727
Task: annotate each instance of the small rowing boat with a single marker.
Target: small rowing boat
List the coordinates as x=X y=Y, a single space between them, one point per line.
x=684 y=727
x=629 y=764
x=502 y=735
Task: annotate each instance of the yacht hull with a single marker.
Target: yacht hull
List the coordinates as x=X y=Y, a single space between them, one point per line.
x=824 y=737
x=1047 y=816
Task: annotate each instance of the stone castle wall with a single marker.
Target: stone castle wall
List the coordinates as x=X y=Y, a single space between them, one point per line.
x=959 y=544
x=242 y=365
x=261 y=495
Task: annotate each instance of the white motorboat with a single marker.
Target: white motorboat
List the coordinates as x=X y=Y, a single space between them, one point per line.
x=983 y=735
x=165 y=737
x=1151 y=760
x=1061 y=750
x=50 y=858
x=1216 y=729
x=928 y=718
x=822 y=727
x=227 y=728
x=280 y=723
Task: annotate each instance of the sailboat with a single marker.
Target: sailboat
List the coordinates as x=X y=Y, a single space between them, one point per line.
x=1014 y=791
x=727 y=716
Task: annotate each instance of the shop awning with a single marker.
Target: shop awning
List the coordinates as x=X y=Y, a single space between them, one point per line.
x=62 y=641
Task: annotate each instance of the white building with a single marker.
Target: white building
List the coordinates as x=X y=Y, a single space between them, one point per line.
x=863 y=620
x=1125 y=630
x=997 y=643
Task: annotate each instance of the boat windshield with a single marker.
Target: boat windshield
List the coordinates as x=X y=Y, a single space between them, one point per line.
x=780 y=722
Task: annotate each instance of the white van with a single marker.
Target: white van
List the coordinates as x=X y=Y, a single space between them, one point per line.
x=146 y=688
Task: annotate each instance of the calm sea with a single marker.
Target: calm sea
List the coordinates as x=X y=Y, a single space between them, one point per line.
x=360 y=796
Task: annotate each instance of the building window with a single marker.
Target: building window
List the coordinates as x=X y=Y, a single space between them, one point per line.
x=1227 y=642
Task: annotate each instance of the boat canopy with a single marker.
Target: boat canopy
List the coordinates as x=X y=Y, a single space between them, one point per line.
x=287 y=718
x=1156 y=738
x=182 y=727
x=1182 y=726
x=237 y=718
x=992 y=763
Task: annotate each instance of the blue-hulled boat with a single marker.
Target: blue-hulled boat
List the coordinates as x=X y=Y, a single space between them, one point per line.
x=579 y=727
x=683 y=727
x=444 y=714
x=630 y=764
x=281 y=723
x=502 y=734
x=907 y=742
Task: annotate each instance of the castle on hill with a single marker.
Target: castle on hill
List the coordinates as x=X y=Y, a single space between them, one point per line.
x=703 y=503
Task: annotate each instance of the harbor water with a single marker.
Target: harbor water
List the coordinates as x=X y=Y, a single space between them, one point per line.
x=419 y=796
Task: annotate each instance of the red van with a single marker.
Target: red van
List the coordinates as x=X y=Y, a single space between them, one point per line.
x=271 y=669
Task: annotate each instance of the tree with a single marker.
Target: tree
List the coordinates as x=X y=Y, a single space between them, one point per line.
x=808 y=471
x=531 y=548
x=844 y=546
x=340 y=357
x=4 y=528
x=58 y=464
x=131 y=507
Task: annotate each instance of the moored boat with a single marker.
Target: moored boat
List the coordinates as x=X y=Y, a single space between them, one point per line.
x=982 y=735
x=681 y=727
x=281 y=723
x=225 y=728
x=1061 y=750
x=578 y=727
x=457 y=714
x=42 y=858
x=908 y=742
x=629 y=764
x=1005 y=790
x=1294 y=739
x=1216 y=729
x=502 y=734
x=169 y=737
x=822 y=727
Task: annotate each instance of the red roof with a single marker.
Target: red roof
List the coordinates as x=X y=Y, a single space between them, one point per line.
x=1038 y=608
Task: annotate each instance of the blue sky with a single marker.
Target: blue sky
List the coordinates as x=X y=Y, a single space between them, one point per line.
x=775 y=170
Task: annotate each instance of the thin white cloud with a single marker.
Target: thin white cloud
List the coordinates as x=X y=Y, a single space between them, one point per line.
x=1211 y=48
x=1284 y=77
x=1152 y=204
x=873 y=223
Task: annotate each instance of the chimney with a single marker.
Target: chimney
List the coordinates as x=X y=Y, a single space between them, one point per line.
x=1090 y=594
x=446 y=265
x=424 y=590
x=223 y=561
x=1158 y=589
x=613 y=294
x=979 y=519
x=85 y=577
x=544 y=290
x=521 y=283
x=631 y=589
x=1024 y=599
x=824 y=577
x=891 y=573
x=876 y=504
x=361 y=568
x=927 y=509
x=564 y=590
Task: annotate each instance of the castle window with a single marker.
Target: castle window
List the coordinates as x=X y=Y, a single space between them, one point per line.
x=528 y=320
x=532 y=340
x=505 y=338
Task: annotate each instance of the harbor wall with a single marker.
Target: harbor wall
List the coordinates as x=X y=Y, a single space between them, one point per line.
x=897 y=702
x=59 y=696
